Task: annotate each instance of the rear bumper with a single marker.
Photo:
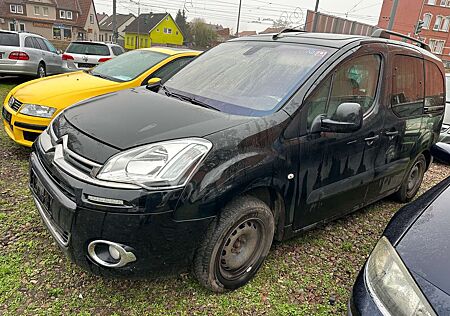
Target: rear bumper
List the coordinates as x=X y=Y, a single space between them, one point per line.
x=160 y=244
x=20 y=67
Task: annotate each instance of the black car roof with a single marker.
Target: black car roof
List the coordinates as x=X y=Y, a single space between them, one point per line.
x=332 y=40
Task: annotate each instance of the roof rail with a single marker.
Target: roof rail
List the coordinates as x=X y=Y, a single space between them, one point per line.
x=286 y=30
x=382 y=33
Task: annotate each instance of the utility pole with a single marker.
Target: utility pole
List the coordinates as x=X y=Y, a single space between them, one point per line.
x=138 y=20
x=393 y=13
x=114 y=22
x=239 y=17
x=316 y=18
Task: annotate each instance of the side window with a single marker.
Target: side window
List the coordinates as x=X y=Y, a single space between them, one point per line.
x=41 y=43
x=434 y=86
x=168 y=70
x=354 y=81
x=117 y=50
x=407 y=97
x=50 y=46
x=29 y=42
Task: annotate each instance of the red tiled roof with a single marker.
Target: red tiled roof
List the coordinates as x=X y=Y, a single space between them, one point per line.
x=246 y=33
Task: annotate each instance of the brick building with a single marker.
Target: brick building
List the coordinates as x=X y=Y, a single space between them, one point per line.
x=59 y=20
x=436 y=17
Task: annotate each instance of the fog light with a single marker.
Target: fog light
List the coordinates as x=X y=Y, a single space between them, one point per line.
x=110 y=254
x=114 y=253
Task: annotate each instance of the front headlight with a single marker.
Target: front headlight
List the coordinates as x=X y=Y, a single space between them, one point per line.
x=392 y=287
x=166 y=164
x=37 y=110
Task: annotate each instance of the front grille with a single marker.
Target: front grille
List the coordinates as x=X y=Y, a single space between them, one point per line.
x=14 y=104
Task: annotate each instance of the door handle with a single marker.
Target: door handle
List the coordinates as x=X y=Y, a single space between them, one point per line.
x=370 y=140
x=391 y=133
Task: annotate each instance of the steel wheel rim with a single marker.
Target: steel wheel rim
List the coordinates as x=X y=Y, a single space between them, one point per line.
x=414 y=178
x=241 y=249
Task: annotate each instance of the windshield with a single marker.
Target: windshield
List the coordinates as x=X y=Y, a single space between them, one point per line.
x=9 y=39
x=128 y=66
x=247 y=78
x=447 y=107
x=88 y=49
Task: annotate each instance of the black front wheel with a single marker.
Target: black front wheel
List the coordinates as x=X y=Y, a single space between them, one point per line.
x=235 y=245
x=412 y=181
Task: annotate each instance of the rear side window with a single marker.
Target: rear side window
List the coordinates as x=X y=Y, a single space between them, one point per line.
x=434 y=88
x=88 y=49
x=9 y=39
x=117 y=50
x=407 y=97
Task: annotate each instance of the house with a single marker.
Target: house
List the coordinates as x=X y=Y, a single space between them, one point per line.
x=106 y=27
x=152 y=29
x=59 y=20
x=101 y=17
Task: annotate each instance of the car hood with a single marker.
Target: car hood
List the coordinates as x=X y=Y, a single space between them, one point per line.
x=425 y=248
x=63 y=90
x=138 y=116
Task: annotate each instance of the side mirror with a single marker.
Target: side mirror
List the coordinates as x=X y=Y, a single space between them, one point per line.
x=441 y=152
x=59 y=52
x=347 y=119
x=154 y=84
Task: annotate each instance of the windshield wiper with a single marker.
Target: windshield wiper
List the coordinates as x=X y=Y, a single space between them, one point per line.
x=188 y=99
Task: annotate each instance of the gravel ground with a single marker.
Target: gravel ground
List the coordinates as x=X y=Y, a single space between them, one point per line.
x=309 y=275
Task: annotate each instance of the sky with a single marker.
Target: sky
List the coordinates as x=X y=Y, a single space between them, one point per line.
x=255 y=14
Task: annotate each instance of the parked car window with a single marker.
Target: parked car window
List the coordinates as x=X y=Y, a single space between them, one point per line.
x=168 y=70
x=225 y=78
x=9 y=39
x=434 y=85
x=41 y=43
x=117 y=50
x=50 y=46
x=29 y=42
x=407 y=86
x=129 y=66
x=88 y=49
x=355 y=81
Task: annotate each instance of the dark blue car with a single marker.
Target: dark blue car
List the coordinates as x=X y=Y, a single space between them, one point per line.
x=408 y=272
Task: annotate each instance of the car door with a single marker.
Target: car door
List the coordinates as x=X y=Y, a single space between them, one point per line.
x=403 y=122
x=55 y=60
x=32 y=49
x=336 y=169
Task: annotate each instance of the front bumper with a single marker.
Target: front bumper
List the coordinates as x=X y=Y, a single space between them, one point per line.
x=23 y=129
x=161 y=244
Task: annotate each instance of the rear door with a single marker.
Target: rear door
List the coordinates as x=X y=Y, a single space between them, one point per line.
x=403 y=123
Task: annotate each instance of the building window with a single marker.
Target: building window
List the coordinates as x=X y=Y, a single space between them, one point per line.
x=437 y=23
x=437 y=46
x=146 y=42
x=62 y=14
x=91 y=18
x=69 y=15
x=432 y=2
x=45 y=11
x=427 y=20
x=446 y=24
x=22 y=27
x=37 y=10
x=16 y=8
x=12 y=26
x=167 y=30
x=443 y=3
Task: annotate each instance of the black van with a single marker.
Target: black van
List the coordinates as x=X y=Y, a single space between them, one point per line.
x=258 y=139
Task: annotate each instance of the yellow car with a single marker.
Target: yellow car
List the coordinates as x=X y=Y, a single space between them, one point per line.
x=29 y=107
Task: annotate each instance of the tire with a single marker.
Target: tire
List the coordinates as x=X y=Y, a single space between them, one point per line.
x=235 y=245
x=41 y=71
x=412 y=181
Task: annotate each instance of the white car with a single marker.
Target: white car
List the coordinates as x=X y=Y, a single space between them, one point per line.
x=82 y=55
